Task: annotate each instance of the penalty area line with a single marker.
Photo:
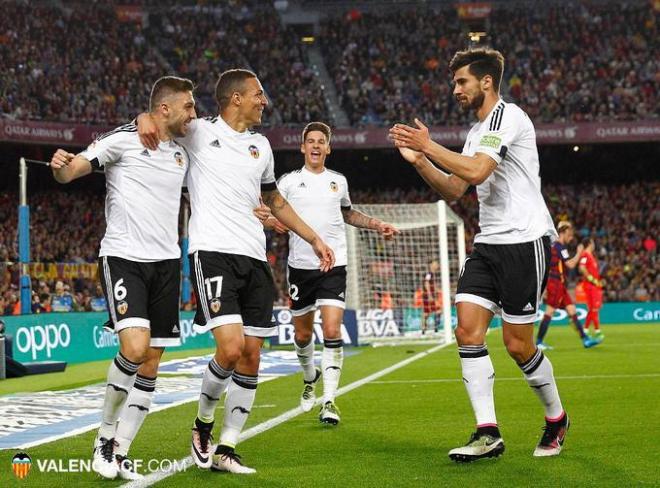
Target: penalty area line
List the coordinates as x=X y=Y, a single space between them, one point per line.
x=186 y=462
x=520 y=378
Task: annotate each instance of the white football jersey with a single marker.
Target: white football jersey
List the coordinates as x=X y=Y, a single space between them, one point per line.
x=318 y=198
x=143 y=195
x=228 y=171
x=511 y=206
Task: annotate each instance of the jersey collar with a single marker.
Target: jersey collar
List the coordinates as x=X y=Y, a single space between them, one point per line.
x=304 y=168
x=227 y=128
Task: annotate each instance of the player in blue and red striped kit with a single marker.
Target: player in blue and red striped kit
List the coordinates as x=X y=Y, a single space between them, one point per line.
x=556 y=294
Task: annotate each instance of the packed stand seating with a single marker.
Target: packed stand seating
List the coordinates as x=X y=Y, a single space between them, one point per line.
x=564 y=62
x=63 y=229
x=200 y=42
x=73 y=64
x=387 y=67
x=626 y=240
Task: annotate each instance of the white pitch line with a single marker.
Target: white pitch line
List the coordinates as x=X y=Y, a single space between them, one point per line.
x=157 y=476
x=520 y=378
x=95 y=425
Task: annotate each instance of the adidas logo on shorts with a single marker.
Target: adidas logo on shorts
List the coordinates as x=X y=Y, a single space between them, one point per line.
x=528 y=308
x=175 y=329
x=145 y=153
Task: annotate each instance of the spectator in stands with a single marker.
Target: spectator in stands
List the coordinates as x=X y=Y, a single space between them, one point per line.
x=382 y=75
x=37 y=306
x=627 y=246
x=62 y=301
x=650 y=244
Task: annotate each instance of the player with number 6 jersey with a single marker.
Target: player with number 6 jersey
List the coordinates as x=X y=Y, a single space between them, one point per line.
x=231 y=170
x=139 y=260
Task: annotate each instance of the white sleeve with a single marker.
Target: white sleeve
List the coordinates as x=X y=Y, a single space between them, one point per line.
x=108 y=148
x=346 y=197
x=268 y=176
x=503 y=129
x=283 y=185
x=466 y=144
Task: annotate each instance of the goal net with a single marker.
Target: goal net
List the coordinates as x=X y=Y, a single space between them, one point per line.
x=386 y=279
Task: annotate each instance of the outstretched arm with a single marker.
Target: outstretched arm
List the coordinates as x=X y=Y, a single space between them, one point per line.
x=283 y=212
x=67 y=167
x=358 y=219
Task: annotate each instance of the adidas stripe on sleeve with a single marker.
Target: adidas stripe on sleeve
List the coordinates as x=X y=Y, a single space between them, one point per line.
x=501 y=133
x=109 y=147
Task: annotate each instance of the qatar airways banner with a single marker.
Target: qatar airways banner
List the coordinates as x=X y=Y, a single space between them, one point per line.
x=362 y=138
x=55 y=133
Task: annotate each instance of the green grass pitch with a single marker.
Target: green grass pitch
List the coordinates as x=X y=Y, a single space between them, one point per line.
x=396 y=430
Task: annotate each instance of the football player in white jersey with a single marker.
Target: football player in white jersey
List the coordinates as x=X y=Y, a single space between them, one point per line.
x=231 y=168
x=139 y=260
x=320 y=196
x=508 y=268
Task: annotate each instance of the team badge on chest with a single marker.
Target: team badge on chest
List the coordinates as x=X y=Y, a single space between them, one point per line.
x=254 y=151
x=334 y=187
x=178 y=157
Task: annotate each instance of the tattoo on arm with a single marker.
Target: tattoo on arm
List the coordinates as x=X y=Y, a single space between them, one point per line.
x=358 y=219
x=275 y=200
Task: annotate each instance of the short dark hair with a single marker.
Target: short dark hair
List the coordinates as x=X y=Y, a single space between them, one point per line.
x=587 y=241
x=319 y=126
x=481 y=61
x=167 y=85
x=230 y=82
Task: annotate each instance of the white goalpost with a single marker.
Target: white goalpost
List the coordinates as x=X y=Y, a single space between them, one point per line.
x=385 y=278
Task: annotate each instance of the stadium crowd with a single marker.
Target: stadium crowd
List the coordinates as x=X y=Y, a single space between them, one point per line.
x=202 y=41
x=390 y=65
x=626 y=240
x=387 y=66
x=73 y=64
x=103 y=74
x=63 y=229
